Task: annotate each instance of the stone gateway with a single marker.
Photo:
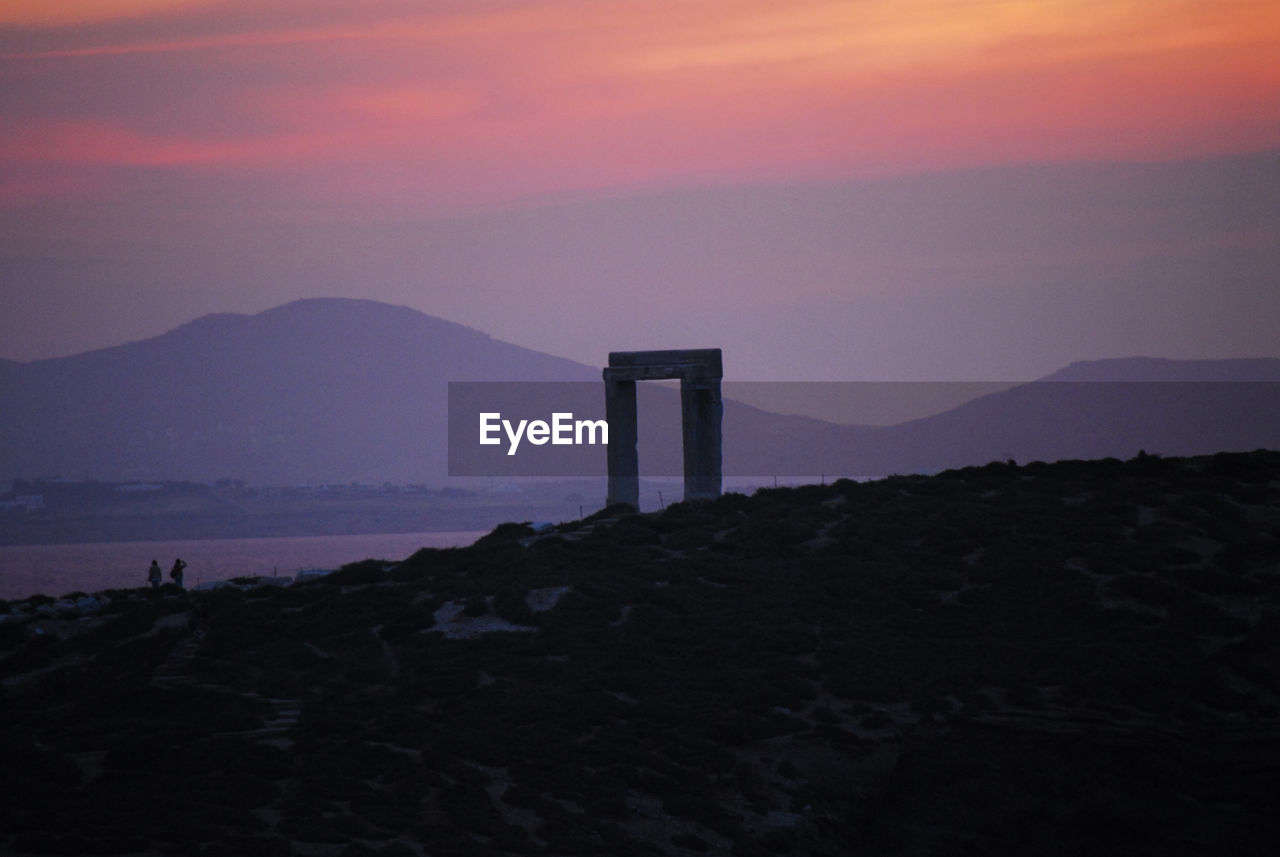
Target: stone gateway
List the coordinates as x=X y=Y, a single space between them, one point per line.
x=699 y=371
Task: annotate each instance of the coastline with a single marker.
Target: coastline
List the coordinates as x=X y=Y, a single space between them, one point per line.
x=27 y=570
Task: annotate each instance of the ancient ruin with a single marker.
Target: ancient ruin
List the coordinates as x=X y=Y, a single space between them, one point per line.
x=699 y=371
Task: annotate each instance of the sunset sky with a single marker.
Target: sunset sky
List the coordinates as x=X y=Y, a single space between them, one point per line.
x=883 y=189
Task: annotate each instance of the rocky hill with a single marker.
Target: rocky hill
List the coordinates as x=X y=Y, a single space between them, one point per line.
x=1068 y=658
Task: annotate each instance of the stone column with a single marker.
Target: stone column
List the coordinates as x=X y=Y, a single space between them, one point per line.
x=701 y=413
x=624 y=463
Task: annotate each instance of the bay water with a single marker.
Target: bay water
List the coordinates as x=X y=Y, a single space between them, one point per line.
x=56 y=570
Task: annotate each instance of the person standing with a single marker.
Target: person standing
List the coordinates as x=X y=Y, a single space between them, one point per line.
x=155 y=575
x=176 y=571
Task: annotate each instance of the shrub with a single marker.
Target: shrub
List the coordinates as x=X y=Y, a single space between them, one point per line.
x=505 y=536
x=364 y=571
x=690 y=842
x=877 y=719
x=469 y=808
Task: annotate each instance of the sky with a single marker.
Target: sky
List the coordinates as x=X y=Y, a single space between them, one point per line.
x=868 y=190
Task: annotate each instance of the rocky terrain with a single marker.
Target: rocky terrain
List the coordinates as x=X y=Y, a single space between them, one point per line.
x=1079 y=657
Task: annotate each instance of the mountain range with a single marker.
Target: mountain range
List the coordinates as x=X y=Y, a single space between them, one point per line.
x=342 y=390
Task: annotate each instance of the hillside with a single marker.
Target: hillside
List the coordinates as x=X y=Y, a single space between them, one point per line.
x=1080 y=657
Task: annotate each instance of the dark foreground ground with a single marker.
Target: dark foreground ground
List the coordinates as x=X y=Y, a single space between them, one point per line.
x=1077 y=658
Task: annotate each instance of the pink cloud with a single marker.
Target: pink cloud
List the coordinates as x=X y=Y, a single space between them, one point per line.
x=93 y=143
x=498 y=102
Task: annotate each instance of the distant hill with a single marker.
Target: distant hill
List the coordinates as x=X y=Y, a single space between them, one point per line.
x=1159 y=369
x=339 y=390
x=325 y=390
x=1096 y=409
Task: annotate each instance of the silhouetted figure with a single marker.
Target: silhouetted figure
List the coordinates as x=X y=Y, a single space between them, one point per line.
x=155 y=575
x=176 y=571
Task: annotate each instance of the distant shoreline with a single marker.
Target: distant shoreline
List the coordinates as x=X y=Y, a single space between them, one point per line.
x=156 y=531
x=58 y=569
x=65 y=513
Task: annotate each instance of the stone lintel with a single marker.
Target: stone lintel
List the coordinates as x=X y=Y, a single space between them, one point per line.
x=692 y=364
x=663 y=372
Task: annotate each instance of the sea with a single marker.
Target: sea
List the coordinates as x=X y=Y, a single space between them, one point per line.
x=57 y=570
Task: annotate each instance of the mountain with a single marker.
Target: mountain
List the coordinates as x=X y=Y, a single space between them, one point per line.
x=1097 y=409
x=322 y=390
x=340 y=390
x=1151 y=370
